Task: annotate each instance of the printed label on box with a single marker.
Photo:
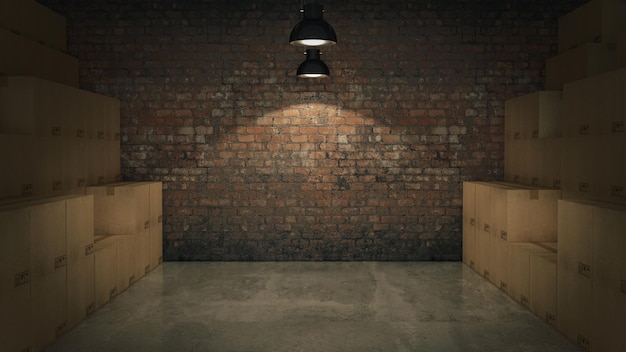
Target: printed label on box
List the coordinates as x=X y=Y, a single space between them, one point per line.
x=584 y=342
x=60 y=261
x=27 y=189
x=22 y=278
x=584 y=269
x=550 y=318
x=524 y=300
x=56 y=131
x=60 y=329
x=617 y=191
x=583 y=187
x=584 y=130
x=91 y=307
x=617 y=127
x=504 y=286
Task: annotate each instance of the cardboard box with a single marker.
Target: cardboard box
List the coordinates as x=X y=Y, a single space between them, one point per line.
x=513 y=160
x=49 y=165
x=534 y=115
x=122 y=208
x=519 y=270
x=18 y=176
x=606 y=102
x=80 y=258
x=483 y=228
x=34 y=21
x=126 y=255
x=30 y=105
x=549 y=169
x=598 y=21
x=523 y=213
x=112 y=170
x=609 y=277
x=578 y=63
x=621 y=50
x=156 y=224
x=15 y=279
x=142 y=254
x=44 y=107
x=73 y=165
x=595 y=105
x=95 y=162
x=574 y=271
x=608 y=160
x=105 y=273
x=577 y=172
x=469 y=223
x=48 y=277
x=24 y=57
x=499 y=257
x=543 y=286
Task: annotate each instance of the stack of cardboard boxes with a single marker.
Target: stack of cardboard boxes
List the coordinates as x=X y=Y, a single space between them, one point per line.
x=566 y=148
x=71 y=237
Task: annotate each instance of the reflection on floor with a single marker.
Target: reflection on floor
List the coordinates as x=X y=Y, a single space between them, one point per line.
x=312 y=306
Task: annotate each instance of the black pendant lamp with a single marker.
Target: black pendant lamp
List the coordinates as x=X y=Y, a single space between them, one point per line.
x=313 y=30
x=313 y=67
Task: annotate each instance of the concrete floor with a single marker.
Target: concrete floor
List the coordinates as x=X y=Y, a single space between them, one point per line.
x=312 y=306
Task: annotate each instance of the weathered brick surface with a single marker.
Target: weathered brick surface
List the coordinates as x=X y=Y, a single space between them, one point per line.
x=260 y=165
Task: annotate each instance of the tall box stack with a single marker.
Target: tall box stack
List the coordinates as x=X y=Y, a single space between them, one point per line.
x=48 y=272
x=483 y=229
x=533 y=123
x=594 y=164
x=80 y=258
x=591 y=273
x=15 y=300
x=609 y=278
x=73 y=135
x=156 y=224
x=469 y=223
x=574 y=303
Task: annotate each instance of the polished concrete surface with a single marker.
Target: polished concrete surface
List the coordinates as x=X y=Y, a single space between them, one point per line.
x=312 y=306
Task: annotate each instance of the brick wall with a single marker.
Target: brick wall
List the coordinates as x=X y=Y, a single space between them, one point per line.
x=260 y=165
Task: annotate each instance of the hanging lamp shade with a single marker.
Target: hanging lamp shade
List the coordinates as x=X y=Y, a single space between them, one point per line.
x=313 y=67
x=313 y=30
